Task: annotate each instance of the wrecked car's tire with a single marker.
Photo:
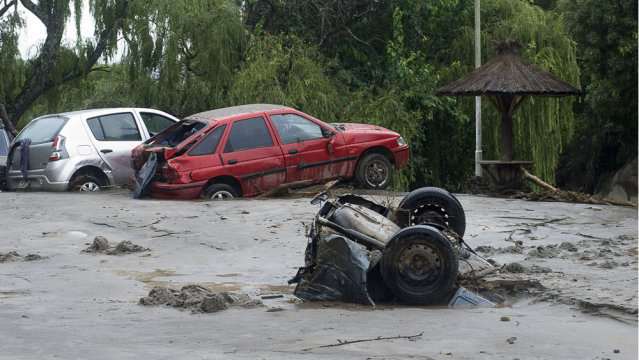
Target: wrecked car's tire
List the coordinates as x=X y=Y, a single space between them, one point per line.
x=374 y=171
x=434 y=205
x=86 y=183
x=219 y=192
x=419 y=265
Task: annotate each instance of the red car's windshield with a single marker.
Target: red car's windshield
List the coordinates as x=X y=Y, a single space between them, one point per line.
x=176 y=134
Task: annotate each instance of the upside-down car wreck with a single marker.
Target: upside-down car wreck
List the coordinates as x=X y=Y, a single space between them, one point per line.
x=362 y=252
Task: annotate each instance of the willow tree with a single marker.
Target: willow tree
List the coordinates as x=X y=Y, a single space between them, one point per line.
x=543 y=126
x=25 y=80
x=181 y=54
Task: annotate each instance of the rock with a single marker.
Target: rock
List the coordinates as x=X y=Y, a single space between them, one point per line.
x=100 y=243
x=544 y=252
x=159 y=296
x=504 y=318
x=275 y=309
x=511 y=340
x=214 y=303
x=568 y=246
x=609 y=264
x=515 y=268
x=623 y=184
x=616 y=351
x=14 y=256
x=126 y=247
x=198 y=299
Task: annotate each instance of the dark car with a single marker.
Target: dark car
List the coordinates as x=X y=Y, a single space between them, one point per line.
x=250 y=149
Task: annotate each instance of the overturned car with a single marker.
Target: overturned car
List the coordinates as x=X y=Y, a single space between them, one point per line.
x=363 y=252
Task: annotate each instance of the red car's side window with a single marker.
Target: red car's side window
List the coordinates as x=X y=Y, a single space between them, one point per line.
x=209 y=144
x=293 y=128
x=248 y=134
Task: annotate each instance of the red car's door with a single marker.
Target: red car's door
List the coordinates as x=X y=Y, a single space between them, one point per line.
x=251 y=155
x=312 y=151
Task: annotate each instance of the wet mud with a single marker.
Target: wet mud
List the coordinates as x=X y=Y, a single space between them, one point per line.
x=198 y=299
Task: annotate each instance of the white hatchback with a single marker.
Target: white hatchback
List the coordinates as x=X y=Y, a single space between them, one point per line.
x=85 y=150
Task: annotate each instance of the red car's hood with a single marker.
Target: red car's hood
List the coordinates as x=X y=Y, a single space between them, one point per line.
x=354 y=133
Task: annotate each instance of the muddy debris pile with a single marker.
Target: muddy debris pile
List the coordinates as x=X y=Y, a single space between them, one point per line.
x=198 y=299
x=13 y=256
x=101 y=245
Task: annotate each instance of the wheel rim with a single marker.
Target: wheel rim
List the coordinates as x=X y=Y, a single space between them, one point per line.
x=90 y=186
x=420 y=265
x=221 y=194
x=376 y=173
x=430 y=213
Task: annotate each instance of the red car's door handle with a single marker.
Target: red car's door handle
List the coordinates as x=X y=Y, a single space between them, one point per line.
x=293 y=151
x=231 y=162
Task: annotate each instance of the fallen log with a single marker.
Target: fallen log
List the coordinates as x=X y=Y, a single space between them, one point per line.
x=536 y=180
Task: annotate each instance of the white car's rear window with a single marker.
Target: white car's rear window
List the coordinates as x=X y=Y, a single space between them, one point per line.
x=42 y=130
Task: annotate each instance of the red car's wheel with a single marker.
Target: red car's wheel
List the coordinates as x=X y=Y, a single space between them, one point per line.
x=219 y=192
x=374 y=171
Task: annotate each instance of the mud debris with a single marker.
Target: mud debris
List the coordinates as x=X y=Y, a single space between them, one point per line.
x=101 y=245
x=198 y=299
x=544 y=252
x=13 y=256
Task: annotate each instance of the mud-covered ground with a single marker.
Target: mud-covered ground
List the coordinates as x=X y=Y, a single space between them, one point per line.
x=572 y=291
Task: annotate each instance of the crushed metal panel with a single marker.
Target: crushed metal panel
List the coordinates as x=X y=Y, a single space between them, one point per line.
x=144 y=176
x=340 y=273
x=466 y=299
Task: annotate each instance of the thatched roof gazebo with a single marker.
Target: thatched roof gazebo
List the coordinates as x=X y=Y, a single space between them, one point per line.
x=506 y=81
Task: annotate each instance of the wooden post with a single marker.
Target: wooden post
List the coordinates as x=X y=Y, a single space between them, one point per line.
x=506 y=138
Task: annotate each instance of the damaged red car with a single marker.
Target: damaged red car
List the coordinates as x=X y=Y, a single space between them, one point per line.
x=250 y=149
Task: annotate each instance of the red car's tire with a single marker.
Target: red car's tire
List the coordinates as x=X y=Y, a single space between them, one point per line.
x=374 y=171
x=219 y=192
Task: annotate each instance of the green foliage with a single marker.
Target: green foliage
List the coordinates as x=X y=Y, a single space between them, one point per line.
x=182 y=54
x=12 y=68
x=284 y=70
x=606 y=35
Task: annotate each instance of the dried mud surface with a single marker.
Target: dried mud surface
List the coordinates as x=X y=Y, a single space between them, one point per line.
x=568 y=271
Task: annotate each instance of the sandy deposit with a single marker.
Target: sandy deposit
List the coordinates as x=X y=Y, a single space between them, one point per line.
x=574 y=261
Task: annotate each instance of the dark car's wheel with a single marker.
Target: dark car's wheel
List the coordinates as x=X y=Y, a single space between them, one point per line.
x=434 y=205
x=86 y=182
x=419 y=265
x=374 y=171
x=219 y=192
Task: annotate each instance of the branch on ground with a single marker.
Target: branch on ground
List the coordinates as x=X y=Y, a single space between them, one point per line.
x=346 y=342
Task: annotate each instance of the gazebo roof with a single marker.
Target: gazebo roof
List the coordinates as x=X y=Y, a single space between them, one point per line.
x=509 y=74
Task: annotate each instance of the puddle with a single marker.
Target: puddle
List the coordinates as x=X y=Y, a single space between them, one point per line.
x=282 y=289
x=149 y=278
x=11 y=293
x=71 y=234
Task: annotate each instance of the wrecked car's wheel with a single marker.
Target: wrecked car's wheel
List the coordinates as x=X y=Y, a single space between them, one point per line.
x=374 y=171
x=419 y=265
x=86 y=183
x=219 y=192
x=434 y=205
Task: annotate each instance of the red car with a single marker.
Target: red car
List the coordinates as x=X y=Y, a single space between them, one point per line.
x=247 y=150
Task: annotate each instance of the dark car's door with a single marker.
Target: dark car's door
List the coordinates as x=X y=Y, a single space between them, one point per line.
x=311 y=151
x=251 y=155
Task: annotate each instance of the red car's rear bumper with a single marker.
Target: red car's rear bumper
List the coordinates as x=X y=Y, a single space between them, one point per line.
x=190 y=191
x=402 y=155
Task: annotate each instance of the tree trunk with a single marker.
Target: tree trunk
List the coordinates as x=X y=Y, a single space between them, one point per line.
x=5 y=120
x=506 y=138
